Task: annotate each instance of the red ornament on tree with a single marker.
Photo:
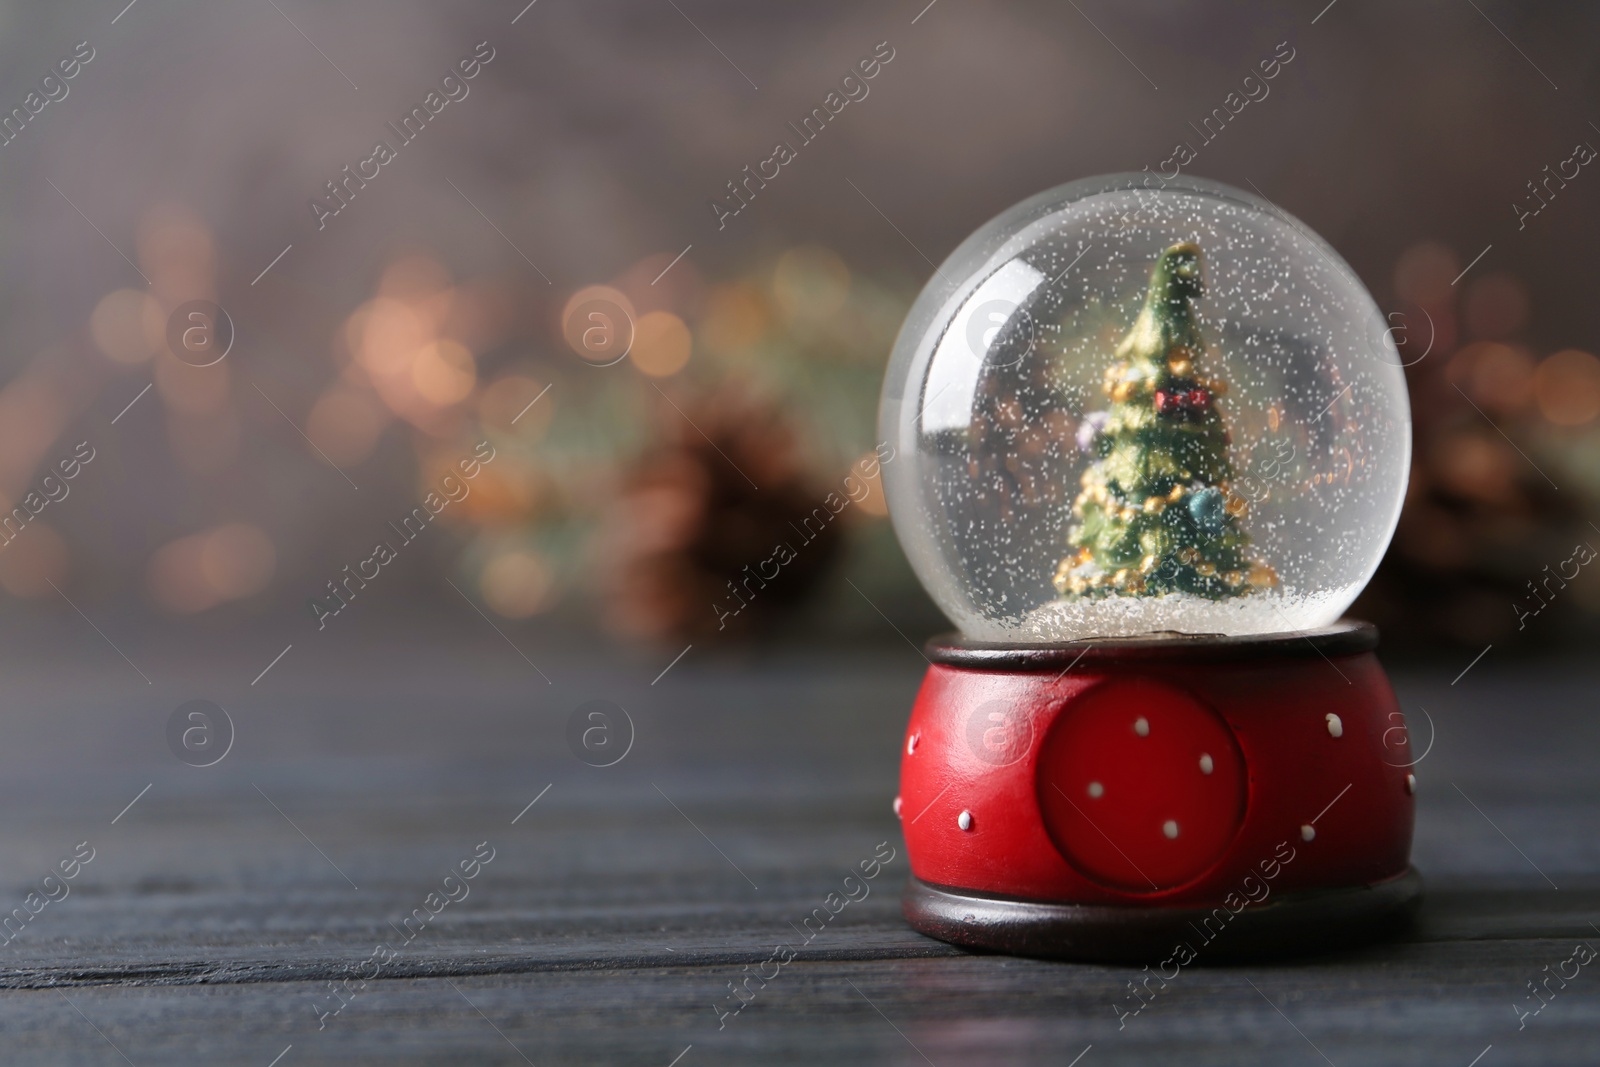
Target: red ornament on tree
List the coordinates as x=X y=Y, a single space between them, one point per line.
x=1191 y=404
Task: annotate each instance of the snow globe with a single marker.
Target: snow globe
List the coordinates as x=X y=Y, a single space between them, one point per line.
x=1153 y=438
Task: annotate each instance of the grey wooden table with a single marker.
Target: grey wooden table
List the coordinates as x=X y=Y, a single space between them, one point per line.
x=230 y=915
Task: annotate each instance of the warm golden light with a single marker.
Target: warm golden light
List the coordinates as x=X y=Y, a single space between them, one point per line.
x=237 y=560
x=873 y=502
x=177 y=252
x=444 y=373
x=121 y=325
x=200 y=571
x=598 y=323
x=516 y=584
x=396 y=344
x=384 y=335
x=346 y=424
x=1498 y=376
x=662 y=345
x=1567 y=385
x=737 y=316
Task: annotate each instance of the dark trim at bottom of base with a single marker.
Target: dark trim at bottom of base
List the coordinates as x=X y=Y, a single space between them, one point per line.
x=1284 y=925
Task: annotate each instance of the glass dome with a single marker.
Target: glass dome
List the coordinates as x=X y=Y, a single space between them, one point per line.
x=1123 y=410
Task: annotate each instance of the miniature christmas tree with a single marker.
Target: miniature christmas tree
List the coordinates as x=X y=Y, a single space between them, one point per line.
x=1156 y=514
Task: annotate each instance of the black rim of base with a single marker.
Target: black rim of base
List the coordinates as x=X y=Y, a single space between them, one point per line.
x=1290 y=924
x=1346 y=637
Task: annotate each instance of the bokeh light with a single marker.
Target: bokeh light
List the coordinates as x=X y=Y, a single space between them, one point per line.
x=124 y=324
x=1498 y=377
x=516 y=584
x=662 y=345
x=443 y=372
x=737 y=317
x=398 y=347
x=177 y=253
x=873 y=502
x=598 y=323
x=203 y=570
x=1568 y=387
x=346 y=423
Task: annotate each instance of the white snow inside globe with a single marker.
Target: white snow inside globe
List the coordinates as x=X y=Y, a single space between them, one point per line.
x=1121 y=409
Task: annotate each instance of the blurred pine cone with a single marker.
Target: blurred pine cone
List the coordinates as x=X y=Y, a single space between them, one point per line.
x=691 y=547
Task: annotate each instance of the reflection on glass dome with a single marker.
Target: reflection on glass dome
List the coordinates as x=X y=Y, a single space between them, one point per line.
x=1125 y=411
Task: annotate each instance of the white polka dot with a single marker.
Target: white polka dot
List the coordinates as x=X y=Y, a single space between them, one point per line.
x=1206 y=766
x=1141 y=726
x=1307 y=832
x=1170 y=828
x=1097 y=790
x=964 y=820
x=897 y=807
x=1411 y=783
x=911 y=743
x=1335 y=728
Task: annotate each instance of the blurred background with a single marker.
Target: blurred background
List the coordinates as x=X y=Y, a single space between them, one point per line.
x=541 y=268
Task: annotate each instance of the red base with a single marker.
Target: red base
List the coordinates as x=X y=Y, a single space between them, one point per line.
x=1173 y=773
